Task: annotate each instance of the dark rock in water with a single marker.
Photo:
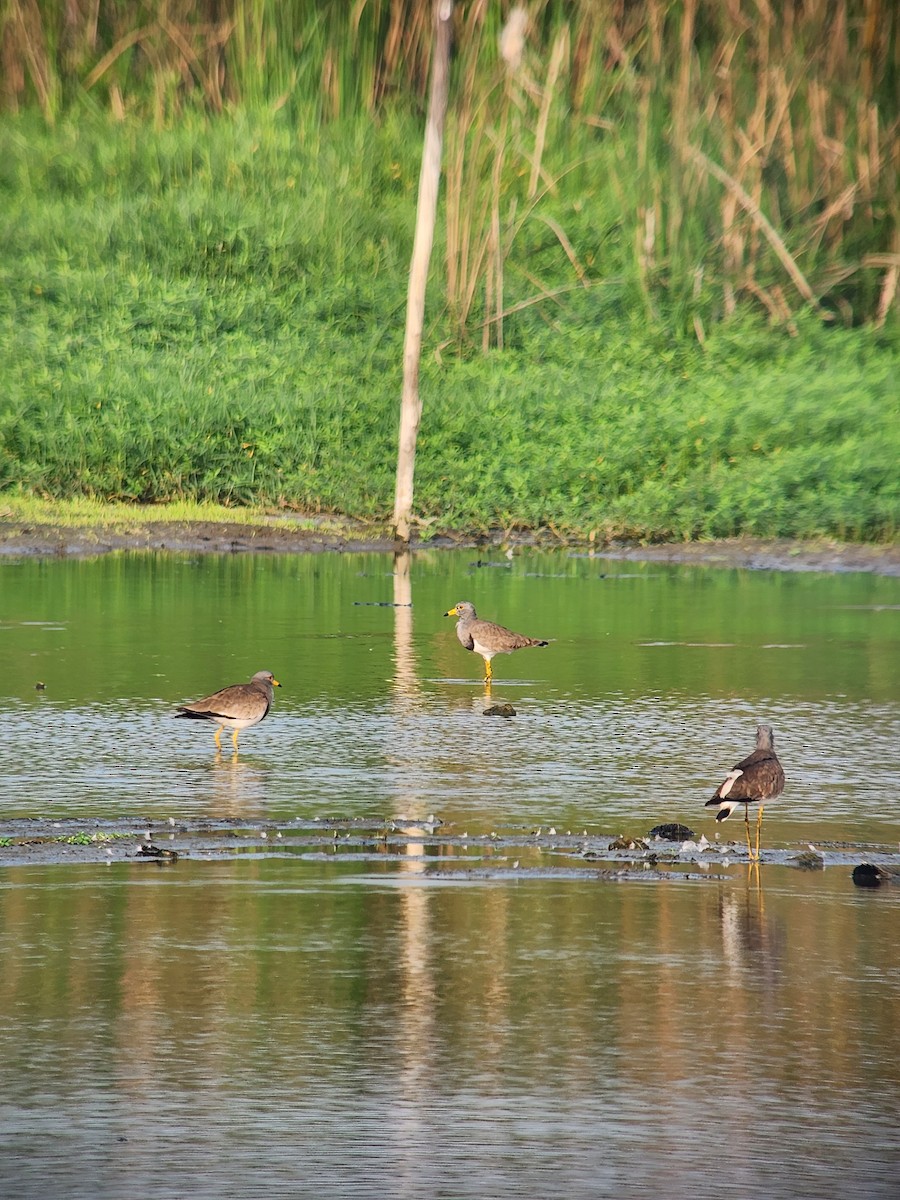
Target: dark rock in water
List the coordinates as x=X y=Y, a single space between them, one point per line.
x=809 y=860
x=499 y=710
x=672 y=833
x=40 y=686
x=868 y=875
x=627 y=843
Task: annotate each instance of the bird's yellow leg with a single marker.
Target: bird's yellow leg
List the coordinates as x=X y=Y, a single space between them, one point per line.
x=747 y=829
x=488 y=671
x=218 y=737
x=234 y=739
x=758 y=827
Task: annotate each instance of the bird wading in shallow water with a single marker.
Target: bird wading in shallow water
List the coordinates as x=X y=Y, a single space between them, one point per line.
x=486 y=638
x=755 y=780
x=236 y=707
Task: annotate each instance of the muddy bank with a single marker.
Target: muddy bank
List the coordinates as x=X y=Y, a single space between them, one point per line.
x=284 y=535
x=278 y=536
x=439 y=848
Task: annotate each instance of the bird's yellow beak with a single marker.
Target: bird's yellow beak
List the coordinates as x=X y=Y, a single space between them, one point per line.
x=275 y=683
x=451 y=612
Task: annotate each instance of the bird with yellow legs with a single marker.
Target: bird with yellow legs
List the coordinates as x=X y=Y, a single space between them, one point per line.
x=756 y=779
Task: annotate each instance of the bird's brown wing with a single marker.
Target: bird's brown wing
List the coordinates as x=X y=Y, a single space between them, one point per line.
x=762 y=777
x=240 y=699
x=498 y=637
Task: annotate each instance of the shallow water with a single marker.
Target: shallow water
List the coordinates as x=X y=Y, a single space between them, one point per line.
x=649 y=692
x=381 y=1021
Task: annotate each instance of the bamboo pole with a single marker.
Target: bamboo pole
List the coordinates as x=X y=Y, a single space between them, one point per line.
x=426 y=211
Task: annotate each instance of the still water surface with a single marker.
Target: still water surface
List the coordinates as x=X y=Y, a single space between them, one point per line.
x=328 y=1024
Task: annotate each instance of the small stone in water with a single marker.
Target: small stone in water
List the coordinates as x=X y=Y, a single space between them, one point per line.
x=868 y=875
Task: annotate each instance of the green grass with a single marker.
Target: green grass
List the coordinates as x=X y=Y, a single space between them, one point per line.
x=214 y=315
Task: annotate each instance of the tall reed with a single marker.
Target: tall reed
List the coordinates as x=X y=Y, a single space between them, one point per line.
x=753 y=148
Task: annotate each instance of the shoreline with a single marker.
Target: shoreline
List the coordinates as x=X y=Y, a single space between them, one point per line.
x=280 y=535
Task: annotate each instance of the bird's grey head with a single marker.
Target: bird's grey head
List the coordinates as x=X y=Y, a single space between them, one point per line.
x=765 y=738
x=265 y=677
x=463 y=609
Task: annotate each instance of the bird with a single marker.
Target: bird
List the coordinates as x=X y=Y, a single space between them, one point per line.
x=486 y=638
x=235 y=707
x=754 y=780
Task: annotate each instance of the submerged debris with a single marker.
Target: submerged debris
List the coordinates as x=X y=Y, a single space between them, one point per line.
x=627 y=843
x=809 y=860
x=499 y=710
x=148 y=850
x=672 y=832
x=380 y=604
x=415 y=826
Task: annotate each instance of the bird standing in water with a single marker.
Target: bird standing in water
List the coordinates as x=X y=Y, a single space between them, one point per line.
x=755 y=780
x=486 y=638
x=236 y=707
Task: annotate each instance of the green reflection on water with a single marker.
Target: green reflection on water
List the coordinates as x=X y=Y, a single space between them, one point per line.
x=156 y=625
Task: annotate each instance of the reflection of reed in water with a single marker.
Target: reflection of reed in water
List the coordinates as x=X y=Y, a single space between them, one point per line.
x=406 y=677
x=416 y=1018
x=751 y=941
x=407 y=691
x=416 y=1037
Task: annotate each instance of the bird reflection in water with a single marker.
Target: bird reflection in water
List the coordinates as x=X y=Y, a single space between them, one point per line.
x=752 y=942
x=237 y=787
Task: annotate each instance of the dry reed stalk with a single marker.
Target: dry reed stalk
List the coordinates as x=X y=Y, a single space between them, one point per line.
x=840 y=210
x=206 y=79
x=873 y=22
x=655 y=22
x=759 y=218
x=732 y=241
x=680 y=106
x=121 y=46
x=27 y=31
x=330 y=83
x=550 y=295
x=586 y=41
x=775 y=304
x=874 y=147
x=557 y=57
x=405 y=45
x=116 y=103
x=836 y=41
x=888 y=293
x=465 y=206
x=681 y=99
x=494 y=274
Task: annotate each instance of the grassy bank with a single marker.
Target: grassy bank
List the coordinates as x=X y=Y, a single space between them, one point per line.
x=215 y=314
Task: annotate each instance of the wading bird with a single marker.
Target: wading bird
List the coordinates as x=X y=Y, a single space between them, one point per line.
x=236 y=707
x=486 y=638
x=755 y=780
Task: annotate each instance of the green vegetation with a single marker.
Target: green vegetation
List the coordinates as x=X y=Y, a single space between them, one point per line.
x=663 y=301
